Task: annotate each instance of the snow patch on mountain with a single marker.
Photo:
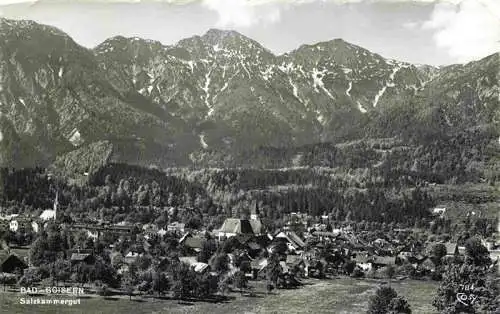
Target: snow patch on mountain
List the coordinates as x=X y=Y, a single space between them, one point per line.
x=245 y=68
x=389 y=83
x=190 y=64
x=346 y=70
x=205 y=88
x=348 y=90
x=202 y=141
x=318 y=81
x=295 y=89
x=75 y=139
x=286 y=68
x=361 y=108
x=320 y=117
x=268 y=73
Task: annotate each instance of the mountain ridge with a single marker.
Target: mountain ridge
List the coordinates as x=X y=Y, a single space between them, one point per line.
x=221 y=90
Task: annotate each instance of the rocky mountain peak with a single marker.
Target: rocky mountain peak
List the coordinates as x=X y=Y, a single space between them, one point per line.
x=220 y=89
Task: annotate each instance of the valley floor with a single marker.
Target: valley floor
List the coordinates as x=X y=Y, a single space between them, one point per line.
x=344 y=295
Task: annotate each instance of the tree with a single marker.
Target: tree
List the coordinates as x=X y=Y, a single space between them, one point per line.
x=438 y=251
x=380 y=303
x=128 y=283
x=477 y=253
x=220 y=263
x=63 y=271
x=38 y=250
x=222 y=286
x=389 y=271
x=183 y=281
x=160 y=282
x=206 y=251
x=273 y=269
x=399 y=305
x=240 y=280
x=349 y=267
x=472 y=284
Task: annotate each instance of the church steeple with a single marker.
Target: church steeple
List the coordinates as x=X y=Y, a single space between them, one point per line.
x=56 y=204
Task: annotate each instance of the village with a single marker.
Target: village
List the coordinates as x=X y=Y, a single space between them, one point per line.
x=147 y=259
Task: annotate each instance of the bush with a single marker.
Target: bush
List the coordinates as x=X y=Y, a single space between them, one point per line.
x=386 y=300
x=357 y=273
x=104 y=291
x=7 y=279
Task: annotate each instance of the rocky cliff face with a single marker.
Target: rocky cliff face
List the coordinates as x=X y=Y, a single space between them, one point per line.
x=156 y=104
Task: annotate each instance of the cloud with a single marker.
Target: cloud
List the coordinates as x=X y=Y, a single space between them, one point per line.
x=411 y=25
x=243 y=13
x=468 y=30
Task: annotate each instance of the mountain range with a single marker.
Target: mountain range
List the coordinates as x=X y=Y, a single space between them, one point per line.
x=139 y=101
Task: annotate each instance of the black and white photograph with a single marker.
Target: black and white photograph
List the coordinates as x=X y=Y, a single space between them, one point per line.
x=249 y=156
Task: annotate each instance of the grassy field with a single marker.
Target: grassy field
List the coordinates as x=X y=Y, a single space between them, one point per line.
x=333 y=296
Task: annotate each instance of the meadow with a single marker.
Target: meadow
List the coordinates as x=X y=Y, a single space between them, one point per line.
x=344 y=295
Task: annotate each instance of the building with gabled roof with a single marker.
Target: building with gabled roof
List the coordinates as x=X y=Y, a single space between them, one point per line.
x=234 y=226
x=293 y=240
x=9 y=262
x=86 y=258
x=451 y=248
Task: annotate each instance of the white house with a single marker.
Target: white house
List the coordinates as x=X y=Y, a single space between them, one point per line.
x=34 y=226
x=13 y=225
x=162 y=232
x=49 y=214
x=439 y=211
x=93 y=234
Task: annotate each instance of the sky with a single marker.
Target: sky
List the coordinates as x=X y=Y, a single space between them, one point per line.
x=435 y=32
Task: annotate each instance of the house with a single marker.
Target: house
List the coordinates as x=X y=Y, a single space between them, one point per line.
x=131 y=257
x=410 y=257
x=48 y=214
x=293 y=241
x=439 y=211
x=363 y=261
x=93 y=234
x=21 y=223
x=193 y=263
x=258 y=266
x=13 y=225
x=82 y=258
x=325 y=235
x=383 y=261
x=149 y=231
x=35 y=226
x=122 y=269
x=252 y=244
x=10 y=262
x=162 y=232
x=189 y=260
x=451 y=249
x=194 y=243
x=233 y=226
x=200 y=268
x=176 y=227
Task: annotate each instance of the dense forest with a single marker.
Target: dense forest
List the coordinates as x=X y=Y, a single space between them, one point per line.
x=372 y=180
